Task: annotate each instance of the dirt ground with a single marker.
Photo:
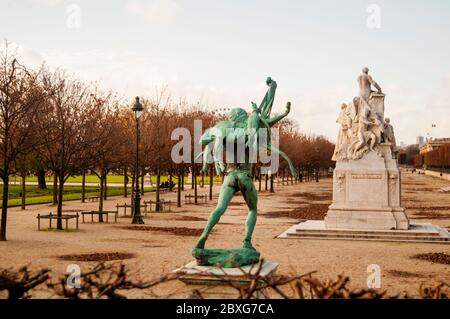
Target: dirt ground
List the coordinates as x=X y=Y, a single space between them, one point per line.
x=167 y=239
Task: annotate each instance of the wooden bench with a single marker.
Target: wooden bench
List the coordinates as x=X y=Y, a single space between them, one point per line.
x=103 y=213
x=203 y=198
x=52 y=216
x=125 y=206
x=162 y=205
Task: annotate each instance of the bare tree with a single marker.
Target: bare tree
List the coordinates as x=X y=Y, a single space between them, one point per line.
x=19 y=101
x=64 y=127
x=101 y=153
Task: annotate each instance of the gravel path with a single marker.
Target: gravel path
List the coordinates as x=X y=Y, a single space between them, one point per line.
x=167 y=241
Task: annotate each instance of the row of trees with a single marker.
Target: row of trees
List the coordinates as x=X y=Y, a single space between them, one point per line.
x=52 y=122
x=407 y=155
x=438 y=158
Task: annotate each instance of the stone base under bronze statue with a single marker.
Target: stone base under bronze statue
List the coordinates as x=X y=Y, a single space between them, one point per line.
x=214 y=282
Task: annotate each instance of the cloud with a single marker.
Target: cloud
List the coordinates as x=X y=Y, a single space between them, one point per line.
x=50 y=3
x=154 y=10
x=26 y=56
x=131 y=73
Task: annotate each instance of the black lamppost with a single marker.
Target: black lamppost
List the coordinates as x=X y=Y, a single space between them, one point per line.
x=137 y=218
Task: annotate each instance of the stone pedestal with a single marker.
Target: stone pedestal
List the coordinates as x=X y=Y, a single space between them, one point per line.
x=367 y=194
x=214 y=282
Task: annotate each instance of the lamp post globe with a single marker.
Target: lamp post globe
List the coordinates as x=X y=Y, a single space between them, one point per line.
x=137 y=108
x=137 y=218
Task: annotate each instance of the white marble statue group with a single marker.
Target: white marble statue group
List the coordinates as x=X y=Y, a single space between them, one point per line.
x=362 y=122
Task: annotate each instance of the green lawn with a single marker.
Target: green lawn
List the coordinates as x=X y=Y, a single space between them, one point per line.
x=41 y=196
x=110 y=179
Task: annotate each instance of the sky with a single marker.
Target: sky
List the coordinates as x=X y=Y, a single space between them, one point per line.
x=219 y=52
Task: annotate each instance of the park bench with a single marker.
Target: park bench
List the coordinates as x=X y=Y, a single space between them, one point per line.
x=125 y=206
x=163 y=204
x=103 y=213
x=52 y=216
x=203 y=198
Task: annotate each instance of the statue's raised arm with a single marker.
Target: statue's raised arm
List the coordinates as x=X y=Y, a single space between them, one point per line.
x=274 y=120
x=265 y=107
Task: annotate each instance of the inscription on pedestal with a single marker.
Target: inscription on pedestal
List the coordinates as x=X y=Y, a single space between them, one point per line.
x=367 y=176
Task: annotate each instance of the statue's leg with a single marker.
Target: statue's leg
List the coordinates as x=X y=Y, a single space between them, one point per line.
x=373 y=140
x=225 y=196
x=251 y=198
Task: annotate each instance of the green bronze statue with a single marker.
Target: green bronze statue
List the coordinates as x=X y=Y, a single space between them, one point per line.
x=245 y=128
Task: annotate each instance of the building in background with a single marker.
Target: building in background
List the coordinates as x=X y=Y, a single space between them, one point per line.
x=420 y=140
x=434 y=155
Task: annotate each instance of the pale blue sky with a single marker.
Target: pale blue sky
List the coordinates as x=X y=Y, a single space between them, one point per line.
x=220 y=52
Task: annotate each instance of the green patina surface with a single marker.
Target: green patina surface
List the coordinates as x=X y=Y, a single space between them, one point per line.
x=226 y=258
x=241 y=126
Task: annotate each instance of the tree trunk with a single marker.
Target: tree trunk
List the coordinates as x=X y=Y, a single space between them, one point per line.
x=125 y=182
x=158 y=181
x=40 y=173
x=266 y=177
x=194 y=177
x=170 y=181
x=4 y=206
x=60 y=200
x=203 y=179
x=101 y=197
x=271 y=184
x=211 y=182
x=55 y=189
x=105 y=187
x=24 y=188
x=83 y=187
x=179 y=190
x=259 y=180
